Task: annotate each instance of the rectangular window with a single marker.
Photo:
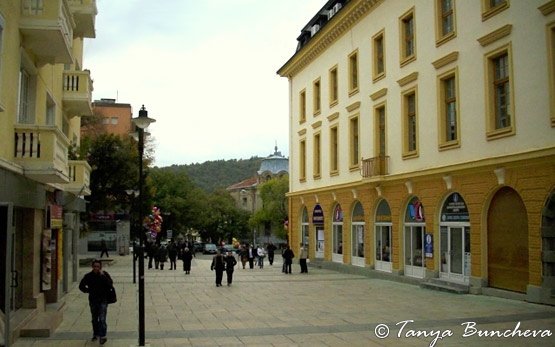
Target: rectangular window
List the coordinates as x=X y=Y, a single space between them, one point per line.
x=302 y=106
x=316 y=97
x=378 y=67
x=492 y=7
x=317 y=157
x=408 y=38
x=114 y=120
x=500 y=111
x=334 y=151
x=445 y=21
x=410 y=124
x=354 y=132
x=448 y=110
x=302 y=158
x=26 y=114
x=333 y=86
x=379 y=129
x=353 y=73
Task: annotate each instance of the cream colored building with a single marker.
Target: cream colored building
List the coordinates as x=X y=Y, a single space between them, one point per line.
x=422 y=141
x=44 y=91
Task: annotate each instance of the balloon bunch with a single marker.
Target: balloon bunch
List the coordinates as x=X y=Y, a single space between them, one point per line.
x=153 y=223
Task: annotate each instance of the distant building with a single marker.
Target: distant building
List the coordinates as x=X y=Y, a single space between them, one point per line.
x=422 y=141
x=246 y=194
x=109 y=117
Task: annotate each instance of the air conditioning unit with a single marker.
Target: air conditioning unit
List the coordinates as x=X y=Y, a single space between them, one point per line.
x=314 y=29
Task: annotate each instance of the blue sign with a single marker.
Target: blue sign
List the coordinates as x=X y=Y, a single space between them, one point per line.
x=429 y=246
x=318 y=215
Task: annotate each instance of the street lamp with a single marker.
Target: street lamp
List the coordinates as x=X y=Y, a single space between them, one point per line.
x=133 y=194
x=142 y=122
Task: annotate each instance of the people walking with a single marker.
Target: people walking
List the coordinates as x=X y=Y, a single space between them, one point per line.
x=230 y=263
x=288 y=256
x=218 y=264
x=103 y=249
x=97 y=284
x=162 y=256
x=271 y=248
x=244 y=255
x=172 y=255
x=187 y=257
x=260 y=253
x=251 y=254
x=303 y=255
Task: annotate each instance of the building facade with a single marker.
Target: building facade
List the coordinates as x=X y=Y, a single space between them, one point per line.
x=422 y=141
x=44 y=92
x=109 y=117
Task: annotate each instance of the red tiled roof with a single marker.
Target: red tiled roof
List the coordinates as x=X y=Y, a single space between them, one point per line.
x=248 y=183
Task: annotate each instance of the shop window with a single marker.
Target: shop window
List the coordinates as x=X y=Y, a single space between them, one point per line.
x=357 y=233
x=337 y=227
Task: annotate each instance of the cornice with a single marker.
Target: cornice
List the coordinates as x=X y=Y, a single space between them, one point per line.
x=379 y=94
x=354 y=106
x=449 y=58
x=495 y=35
x=547 y=8
x=408 y=78
x=317 y=124
x=344 y=20
x=333 y=116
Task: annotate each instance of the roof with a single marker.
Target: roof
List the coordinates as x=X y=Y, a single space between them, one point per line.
x=275 y=163
x=247 y=183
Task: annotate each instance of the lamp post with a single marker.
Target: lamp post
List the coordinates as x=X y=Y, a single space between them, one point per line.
x=142 y=122
x=133 y=194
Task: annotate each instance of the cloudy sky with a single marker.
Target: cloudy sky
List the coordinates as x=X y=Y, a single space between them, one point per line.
x=205 y=70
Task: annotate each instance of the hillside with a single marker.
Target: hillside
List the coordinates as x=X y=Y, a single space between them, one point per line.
x=213 y=175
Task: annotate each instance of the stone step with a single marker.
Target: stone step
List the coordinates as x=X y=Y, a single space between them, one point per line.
x=43 y=324
x=445 y=286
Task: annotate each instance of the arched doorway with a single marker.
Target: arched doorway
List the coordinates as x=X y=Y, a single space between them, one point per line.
x=337 y=234
x=415 y=229
x=304 y=230
x=318 y=221
x=548 y=243
x=357 y=235
x=382 y=242
x=507 y=241
x=454 y=227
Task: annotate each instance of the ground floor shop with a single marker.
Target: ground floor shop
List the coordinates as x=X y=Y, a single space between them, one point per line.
x=39 y=232
x=488 y=226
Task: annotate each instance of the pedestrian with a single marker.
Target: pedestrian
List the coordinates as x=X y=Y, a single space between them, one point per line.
x=271 y=248
x=230 y=263
x=97 y=283
x=103 y=249
x=303 y=255
x=218 y=264
x=187 y=257
x=260 y=253
x=288 y=256
x=251 y=254
x=172 y=255
x=152 y=252
x=244 y=255
x=162 y=256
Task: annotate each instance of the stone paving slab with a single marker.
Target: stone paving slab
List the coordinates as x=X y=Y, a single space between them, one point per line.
x=265 y=307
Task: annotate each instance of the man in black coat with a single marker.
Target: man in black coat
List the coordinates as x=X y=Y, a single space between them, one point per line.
x=218 y=264
x=230 y=263
x=97 y=284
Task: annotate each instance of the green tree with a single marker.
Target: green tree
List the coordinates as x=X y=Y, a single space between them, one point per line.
x=274 y=210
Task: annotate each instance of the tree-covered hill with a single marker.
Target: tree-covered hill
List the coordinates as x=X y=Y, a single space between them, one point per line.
x=213 y=175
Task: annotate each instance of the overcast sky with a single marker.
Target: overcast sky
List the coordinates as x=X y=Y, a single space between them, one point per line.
x=205 y=70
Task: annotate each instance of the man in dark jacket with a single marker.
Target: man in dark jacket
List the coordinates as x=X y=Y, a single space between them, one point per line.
x=288 y=256
x=230 y=263
x=97 y=283
x=218 y=264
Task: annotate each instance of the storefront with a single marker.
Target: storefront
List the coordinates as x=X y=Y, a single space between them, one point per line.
x=337 y=234
x=357 y=235
x=454 y=237
x=415 y=228
x=318 y=221
x=382 y=240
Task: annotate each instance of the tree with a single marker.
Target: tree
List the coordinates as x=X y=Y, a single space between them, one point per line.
x=274 y=210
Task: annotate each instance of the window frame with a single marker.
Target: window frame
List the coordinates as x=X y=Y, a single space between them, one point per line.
x=317 y=156
x=302 y=160
x=316 y=97
x=333 y=86
x=354 y=79
x=378 y=38
x=409 y=153
x=489 y=11
x=442 y=37
x=334 y=150
x=354 y=142
x=492 y=131
x=302 y=106
x=377 y=128
x=443 y=141
x=403 y=39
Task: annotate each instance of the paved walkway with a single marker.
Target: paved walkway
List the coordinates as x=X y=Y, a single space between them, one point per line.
x=265 y=307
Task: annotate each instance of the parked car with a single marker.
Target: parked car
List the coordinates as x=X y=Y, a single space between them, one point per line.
x=209 y=248
x=198 y=247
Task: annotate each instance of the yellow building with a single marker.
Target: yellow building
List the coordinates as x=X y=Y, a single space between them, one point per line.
x=422 y=141
x=44 y=91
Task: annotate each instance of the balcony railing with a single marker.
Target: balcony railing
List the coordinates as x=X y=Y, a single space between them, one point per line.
x=84 y=13
x=47 y=29
x=42 y=152
x=79 y=178
x=377 y=166
x=77 y=95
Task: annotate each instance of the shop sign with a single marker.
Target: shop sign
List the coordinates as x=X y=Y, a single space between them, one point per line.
x=454 y=209
x=415 y=211
x=318 y=215
x=429 y=246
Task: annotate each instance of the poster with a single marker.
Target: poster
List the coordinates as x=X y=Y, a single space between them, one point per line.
x=46 y=252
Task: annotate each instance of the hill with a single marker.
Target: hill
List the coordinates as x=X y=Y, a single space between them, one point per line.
x=213 y=175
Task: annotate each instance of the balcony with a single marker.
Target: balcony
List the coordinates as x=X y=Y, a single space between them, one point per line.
x=84 y=13
x=42 y=152
x=77 y=93
x=79 y=178
x=377 y=166
x=47 y=30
